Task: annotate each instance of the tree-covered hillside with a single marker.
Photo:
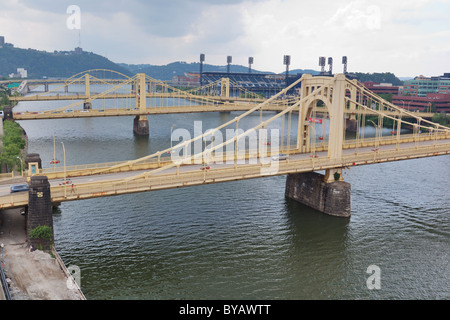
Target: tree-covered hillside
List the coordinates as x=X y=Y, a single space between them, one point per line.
x=59 y=64
x=385 y=77
x=66 y=64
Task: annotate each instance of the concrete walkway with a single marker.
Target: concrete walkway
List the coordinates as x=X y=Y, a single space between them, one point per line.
x=32 y=275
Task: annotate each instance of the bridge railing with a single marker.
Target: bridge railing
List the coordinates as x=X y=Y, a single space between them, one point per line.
x=215 y=175
x=195 y=176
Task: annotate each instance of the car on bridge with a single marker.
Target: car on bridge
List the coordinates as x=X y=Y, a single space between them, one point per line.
x=281 y=156
x=19 y=188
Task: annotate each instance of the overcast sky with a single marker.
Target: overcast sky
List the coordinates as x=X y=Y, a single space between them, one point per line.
x=406 y=37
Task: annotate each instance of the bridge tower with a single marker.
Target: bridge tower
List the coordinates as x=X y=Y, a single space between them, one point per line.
x=140 y=125
x=351 y=123
x=87 y=92
x=326 y=193
x=332 y=94
x=225 y=88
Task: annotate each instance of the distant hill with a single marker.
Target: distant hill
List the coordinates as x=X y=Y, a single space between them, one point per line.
x=57 y=64
x=179 y=68
x=67 y=63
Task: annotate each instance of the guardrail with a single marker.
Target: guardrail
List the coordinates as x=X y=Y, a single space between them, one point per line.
x=4 y=284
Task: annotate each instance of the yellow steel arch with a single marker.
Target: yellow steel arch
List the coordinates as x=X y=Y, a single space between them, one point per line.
x=96 y=70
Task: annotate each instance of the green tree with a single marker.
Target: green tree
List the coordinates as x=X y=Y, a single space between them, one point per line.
x=13 y=144
x=386 y=96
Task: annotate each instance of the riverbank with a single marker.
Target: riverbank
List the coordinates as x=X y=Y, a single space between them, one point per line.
x=32 y=275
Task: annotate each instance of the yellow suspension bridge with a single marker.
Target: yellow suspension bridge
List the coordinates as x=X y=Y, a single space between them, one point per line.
x=342 y=103
x=142 y=95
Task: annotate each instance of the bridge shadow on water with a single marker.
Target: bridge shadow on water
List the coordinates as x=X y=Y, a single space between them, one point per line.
x=321 y=253
x=316 y=228
x=142 y=146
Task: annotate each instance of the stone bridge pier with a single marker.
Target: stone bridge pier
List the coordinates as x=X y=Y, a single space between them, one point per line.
x=140 y=126
x=327 y=194
x=39 y=213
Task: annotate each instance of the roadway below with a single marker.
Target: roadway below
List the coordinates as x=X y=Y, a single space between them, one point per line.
x=33 y=275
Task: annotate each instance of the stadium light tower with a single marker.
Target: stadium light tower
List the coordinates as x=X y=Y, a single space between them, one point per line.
x=330 y=63
x=250 y=62
x=344 y=62
x=322 y=65
x=202 y=59
x=229 y=60
x=287 y=62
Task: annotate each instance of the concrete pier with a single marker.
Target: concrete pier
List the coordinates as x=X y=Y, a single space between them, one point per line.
x=39 y=211
x=310 y=188
x=351 y=125
x=140 y=126
x=7 y=112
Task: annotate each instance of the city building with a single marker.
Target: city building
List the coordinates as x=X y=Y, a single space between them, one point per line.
x=381 y=88
x=425 y=94
x=188 y=80
x=421 y=86
x=21 y=73
x=433 y=102
x=2 y=41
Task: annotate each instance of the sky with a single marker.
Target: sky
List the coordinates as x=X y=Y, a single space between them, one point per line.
x=405 y=37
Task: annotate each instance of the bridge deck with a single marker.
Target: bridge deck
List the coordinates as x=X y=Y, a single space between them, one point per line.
x=225 y=107
x=190 y=175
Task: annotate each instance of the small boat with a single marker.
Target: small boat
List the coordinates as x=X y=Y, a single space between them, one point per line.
x=54 y=161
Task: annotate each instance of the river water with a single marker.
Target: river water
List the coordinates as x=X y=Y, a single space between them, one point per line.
x=245 y=240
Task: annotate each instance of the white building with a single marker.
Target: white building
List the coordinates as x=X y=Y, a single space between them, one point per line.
x=22 y=72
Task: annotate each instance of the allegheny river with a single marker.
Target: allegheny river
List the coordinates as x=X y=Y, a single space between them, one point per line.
x=244 y=239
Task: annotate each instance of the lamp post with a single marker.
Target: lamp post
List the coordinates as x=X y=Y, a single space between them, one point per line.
x=64 y=151
x=229 y=61
x=287 y=62
x=171 y=129
x=202 y=59
x=21 y=166
x=376 y=133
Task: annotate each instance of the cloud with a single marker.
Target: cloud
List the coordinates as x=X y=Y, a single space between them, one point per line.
x=407 y=37
x=357 y=16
